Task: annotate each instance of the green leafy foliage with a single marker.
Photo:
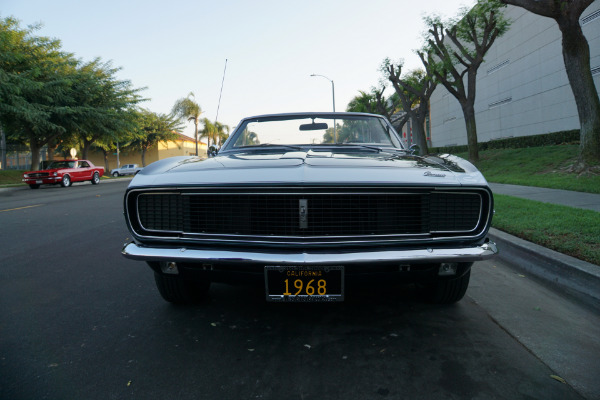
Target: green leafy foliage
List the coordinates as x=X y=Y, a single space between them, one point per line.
x=152 y=128
x=47 y=96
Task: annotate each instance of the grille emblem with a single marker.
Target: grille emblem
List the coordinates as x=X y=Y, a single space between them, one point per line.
x=303 y=213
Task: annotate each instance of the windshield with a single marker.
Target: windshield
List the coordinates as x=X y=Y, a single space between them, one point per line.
x=61 y=164
x=309 y=131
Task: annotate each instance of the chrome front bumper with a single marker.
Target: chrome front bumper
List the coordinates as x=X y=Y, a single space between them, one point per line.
x=182 y=254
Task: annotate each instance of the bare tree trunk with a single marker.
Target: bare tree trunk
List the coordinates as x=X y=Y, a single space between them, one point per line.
x=52 y=146
x=144 y=156
x=419 y=136
x=3 y=147
x=576 y=55
x=85 y=149
x=408 y=93
x=420 y=125
x=469 y=115
x=399 y=123
x=35 y=155
x=106 y=164
x=196 y=132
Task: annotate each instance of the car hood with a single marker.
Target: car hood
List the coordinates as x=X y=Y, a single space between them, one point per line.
x=311 y=168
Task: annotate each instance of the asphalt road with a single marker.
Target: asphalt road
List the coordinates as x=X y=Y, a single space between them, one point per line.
x=79 y=321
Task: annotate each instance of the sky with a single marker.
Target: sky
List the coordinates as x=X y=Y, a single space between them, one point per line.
x=272 y=47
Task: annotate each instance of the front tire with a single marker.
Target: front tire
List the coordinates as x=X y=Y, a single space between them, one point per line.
x=95 y=179
x=178 y=290
x=66 y=181
x=115 y=174
x=448 y=291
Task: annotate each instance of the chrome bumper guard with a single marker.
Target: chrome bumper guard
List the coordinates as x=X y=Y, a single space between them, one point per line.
x=468 y=254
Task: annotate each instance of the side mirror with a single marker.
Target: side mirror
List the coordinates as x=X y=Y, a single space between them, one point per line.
x=212 y=151
x=414 y=149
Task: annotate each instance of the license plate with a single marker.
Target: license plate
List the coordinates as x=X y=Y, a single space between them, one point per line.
x=304 y=283
x=38 y=182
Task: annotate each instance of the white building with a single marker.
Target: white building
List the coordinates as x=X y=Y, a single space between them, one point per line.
x=522 y=87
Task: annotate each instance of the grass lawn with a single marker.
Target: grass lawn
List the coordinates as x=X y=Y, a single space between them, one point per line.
x=568 y=230
x=11 y=177
x=536 y=166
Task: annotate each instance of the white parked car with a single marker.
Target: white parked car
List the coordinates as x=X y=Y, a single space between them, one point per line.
x=127 y=169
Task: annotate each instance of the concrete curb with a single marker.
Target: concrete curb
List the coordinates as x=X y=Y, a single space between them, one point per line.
x=575 y=277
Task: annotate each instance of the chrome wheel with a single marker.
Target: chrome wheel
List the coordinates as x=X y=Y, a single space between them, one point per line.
x=95 y=179
x=66 y=181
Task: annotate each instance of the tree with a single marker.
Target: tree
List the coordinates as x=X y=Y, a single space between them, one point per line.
x=454 y=63
x=576 y=56
x=47 y=96
x=186 y=108
x=364 y=103
x=117 y=141
x=222 y=133
x=104 y=104
x=389 y=107
x=35 y=78
x=376 y=103
x=414 y=91
x=215 y=131
x=152 y=129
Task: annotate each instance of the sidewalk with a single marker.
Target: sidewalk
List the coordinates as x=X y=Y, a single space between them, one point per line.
x=588 y=201
x=568 y=274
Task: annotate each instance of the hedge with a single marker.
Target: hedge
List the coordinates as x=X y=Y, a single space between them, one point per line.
x=547 y=139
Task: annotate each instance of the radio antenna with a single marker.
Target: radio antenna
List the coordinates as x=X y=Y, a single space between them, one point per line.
x=221 y=93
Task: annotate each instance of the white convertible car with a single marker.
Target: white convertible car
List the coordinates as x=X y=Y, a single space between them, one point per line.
x=306 y=203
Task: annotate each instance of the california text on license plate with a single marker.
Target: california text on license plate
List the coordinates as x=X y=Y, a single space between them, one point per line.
x=304 y=283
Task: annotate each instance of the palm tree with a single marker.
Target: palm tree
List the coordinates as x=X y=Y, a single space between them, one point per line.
x=222 y=132
x=186 y=108
x=217 y=132
x=365 y=103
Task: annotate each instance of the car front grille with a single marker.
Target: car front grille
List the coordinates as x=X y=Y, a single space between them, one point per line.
x=39 y=175
x=318 y=215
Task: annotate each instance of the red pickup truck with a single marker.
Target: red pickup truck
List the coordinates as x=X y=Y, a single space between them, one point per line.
x=64 y=172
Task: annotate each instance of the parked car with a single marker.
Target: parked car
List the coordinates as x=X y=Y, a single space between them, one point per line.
x=127 y=169
x=306 y=202
x=64 y=172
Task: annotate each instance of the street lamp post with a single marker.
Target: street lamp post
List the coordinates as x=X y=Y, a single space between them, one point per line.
x=333 y=98
x=332 y=88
